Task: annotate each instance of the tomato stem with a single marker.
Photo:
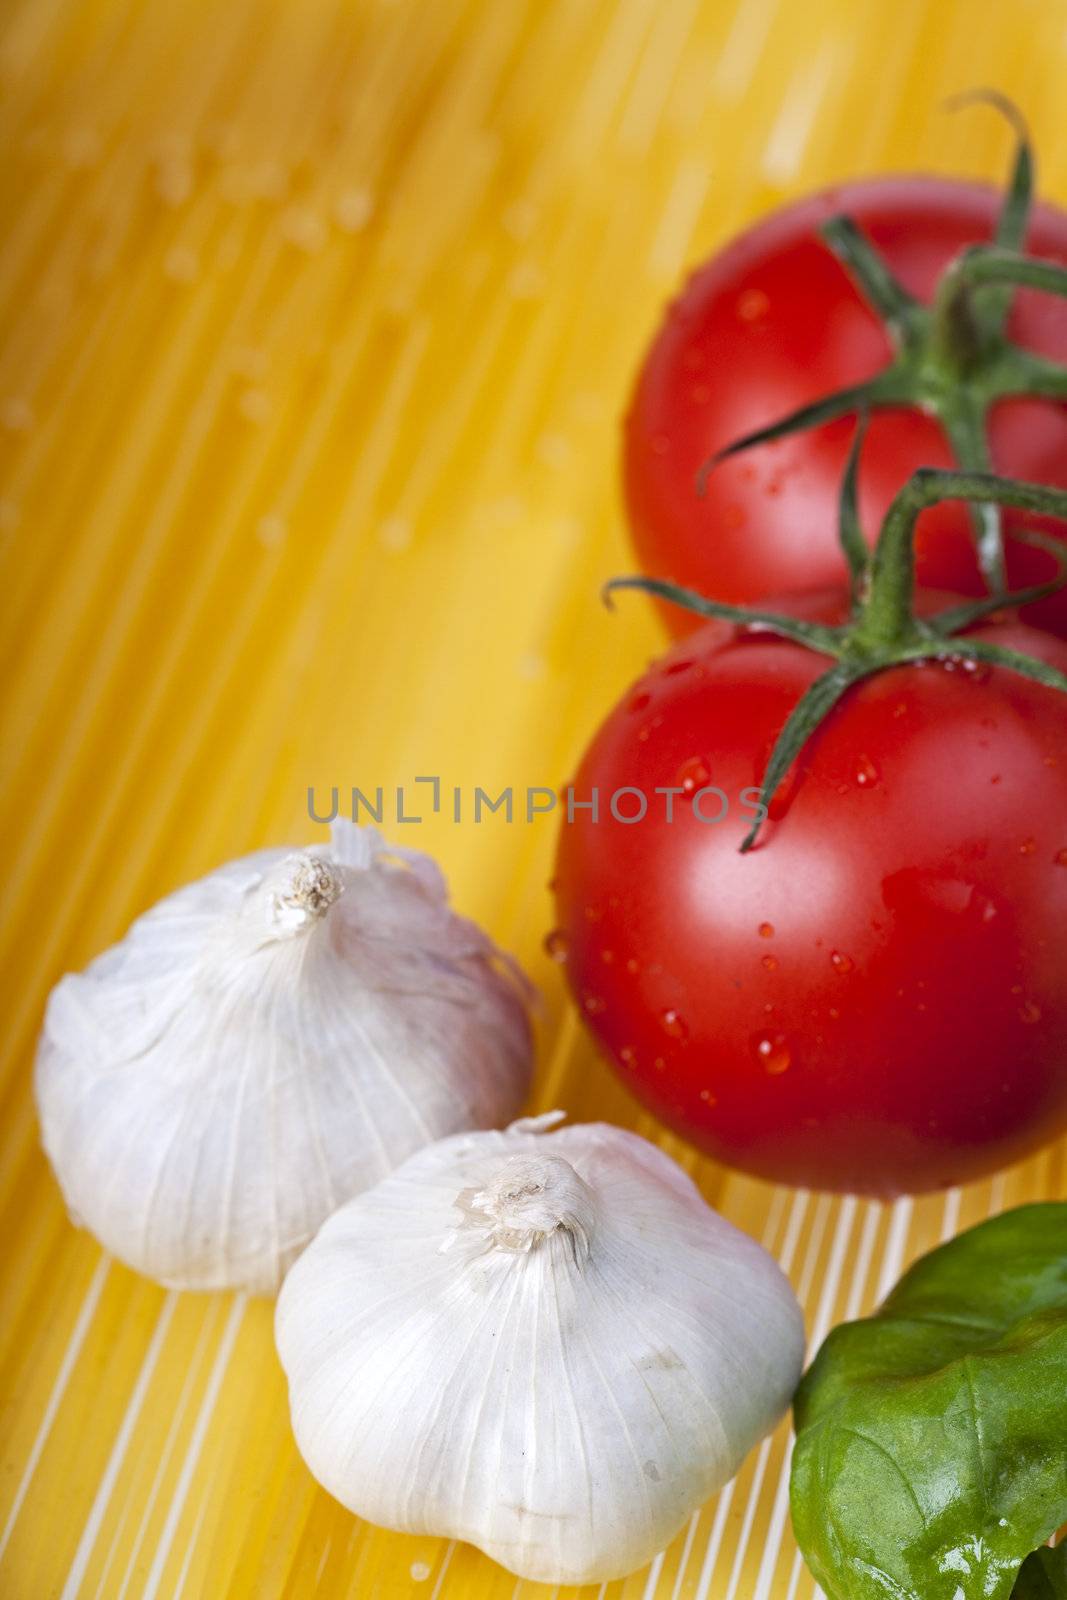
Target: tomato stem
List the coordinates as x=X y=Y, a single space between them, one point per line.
x=955 y=618
x=966 y=337
x=1018 y=199
x=964 y=421
x=888 y=615
x=893 y=387
x=951 y=359
x=813 y=707
x=811 y=634
x=884 y=630
x=850 y=532
x=901 y=314
x=956 y=342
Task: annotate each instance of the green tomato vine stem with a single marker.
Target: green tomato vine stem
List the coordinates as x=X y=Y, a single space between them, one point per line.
x=952 y=359
x=883 y=630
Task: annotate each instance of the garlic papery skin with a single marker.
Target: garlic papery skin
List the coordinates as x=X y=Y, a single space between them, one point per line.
x=542 y=1342
x=266 y=1043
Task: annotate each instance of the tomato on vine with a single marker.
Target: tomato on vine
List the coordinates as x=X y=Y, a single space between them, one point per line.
x=894 y=296
x=871 y=993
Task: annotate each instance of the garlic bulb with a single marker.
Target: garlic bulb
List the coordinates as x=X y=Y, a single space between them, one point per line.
x=544 y=1343
x=264 y=1044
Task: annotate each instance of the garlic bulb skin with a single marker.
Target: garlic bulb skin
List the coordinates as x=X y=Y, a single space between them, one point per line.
x=265 y=1043
x=544 y=1343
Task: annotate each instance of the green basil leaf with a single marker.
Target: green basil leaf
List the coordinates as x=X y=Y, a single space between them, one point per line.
x=931 y=1453
x=1043 y=1576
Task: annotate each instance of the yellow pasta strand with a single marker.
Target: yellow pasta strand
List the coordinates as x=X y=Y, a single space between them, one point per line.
x=316 y=321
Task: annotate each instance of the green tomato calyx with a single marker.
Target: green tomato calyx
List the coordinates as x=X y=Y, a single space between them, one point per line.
x=952 y=359
x=883 y=629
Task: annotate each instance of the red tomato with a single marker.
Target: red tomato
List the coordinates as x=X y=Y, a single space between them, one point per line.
x=875 y=997
x=774 y=322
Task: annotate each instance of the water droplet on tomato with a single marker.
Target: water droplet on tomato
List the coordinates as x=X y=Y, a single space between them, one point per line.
x=840 y=962
x=607 y=957
x=556 y=945
x=982 y=906
x=660 y=1064
x=1028 y=847
x=977 y=671
x=834 y=1013
x=692 y=775
x=766 y=930
x=594 y=1004
x=773 y=1052
x=633 y=966
x=752 y=305
x=660 y=444
x=770 y=963
x=866 y=773
x=1060 y=858
x=674 y=667
x=640 y=701
x=707 y=1097
x=674 y=1024
x=1029 y=1012
x=627 y=1055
